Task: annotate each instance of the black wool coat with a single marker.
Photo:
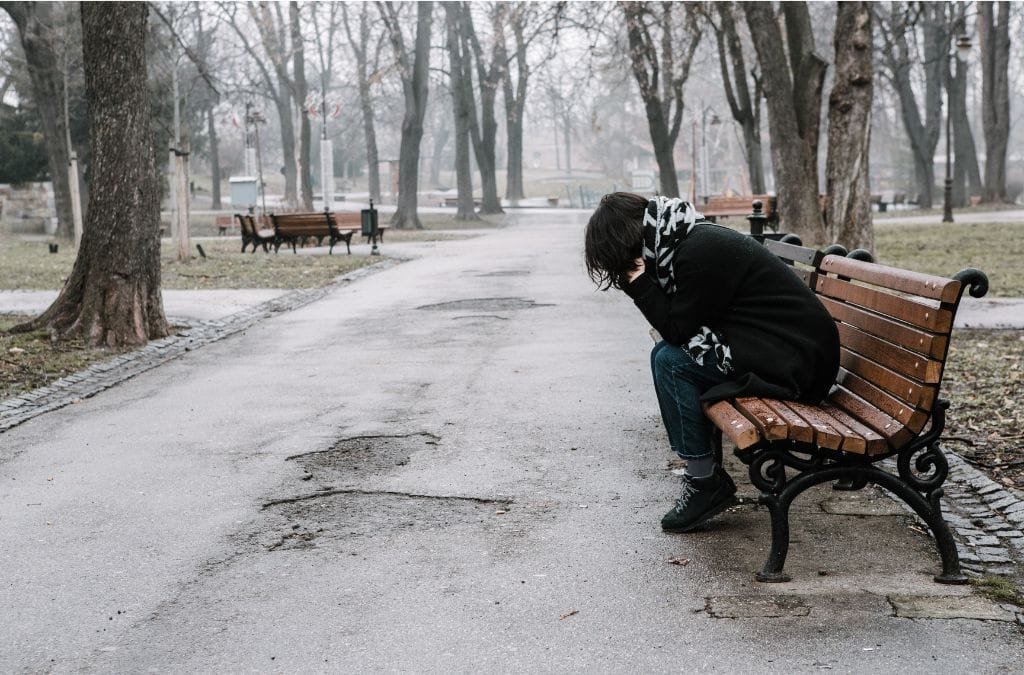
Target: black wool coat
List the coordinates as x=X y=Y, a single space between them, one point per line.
x=784 y=343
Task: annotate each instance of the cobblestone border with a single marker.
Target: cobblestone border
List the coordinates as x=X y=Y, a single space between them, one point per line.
x=986 y=517
x=105 y=374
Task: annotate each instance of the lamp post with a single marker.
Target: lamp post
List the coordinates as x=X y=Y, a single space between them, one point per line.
x=963 y=50
x=704 y=150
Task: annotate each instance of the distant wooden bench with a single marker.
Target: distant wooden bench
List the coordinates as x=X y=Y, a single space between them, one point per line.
x=224 y=222
x=454 y=202
x=894 y=329
x=253 y=234
x=728 y=207
x=294 y=228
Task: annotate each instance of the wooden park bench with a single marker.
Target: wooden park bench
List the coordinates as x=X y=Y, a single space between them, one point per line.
x=252 y=234
x=894 y=329
x=294 y=228
x=726 y=207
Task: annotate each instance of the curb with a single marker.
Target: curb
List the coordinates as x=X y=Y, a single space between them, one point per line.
x=106 y=374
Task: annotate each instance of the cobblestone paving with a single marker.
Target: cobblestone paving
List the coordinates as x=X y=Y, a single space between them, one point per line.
x=987 y=519
x=106 y=374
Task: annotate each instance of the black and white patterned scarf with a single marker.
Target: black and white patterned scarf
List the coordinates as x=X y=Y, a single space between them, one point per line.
x=666 y=223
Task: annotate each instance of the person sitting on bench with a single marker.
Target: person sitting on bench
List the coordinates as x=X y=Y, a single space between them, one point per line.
x=734 y=321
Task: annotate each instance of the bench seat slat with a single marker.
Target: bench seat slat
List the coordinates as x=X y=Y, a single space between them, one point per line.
x=893 y=431
x=917 y=314
x=889 y=355
x=825 y=435
x=922 y=342
x=764 y=417
x=733 y=424
x=873 y=442
x=914 y=394
x=904 y=281
x=910 y=417
x=797 y=428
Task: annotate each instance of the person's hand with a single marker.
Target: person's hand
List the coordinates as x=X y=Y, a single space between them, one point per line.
x=636 y=272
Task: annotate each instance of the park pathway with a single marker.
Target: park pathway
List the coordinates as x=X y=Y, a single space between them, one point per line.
x=453 y=465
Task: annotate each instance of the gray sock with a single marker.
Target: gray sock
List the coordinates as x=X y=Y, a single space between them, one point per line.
x=700 y=467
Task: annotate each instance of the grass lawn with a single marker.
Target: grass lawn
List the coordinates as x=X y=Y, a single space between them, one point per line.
x=995 y=248
x=31 y=360
x=30 y=265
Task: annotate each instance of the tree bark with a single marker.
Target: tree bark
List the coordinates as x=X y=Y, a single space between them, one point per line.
x=360 y=50
x=415 y=78
x=808 y=78
x=459 y=70
x=112 y=297
x=214 y=159
x=515 y=106
x=661 y=78
x=35 y=22
x=301 y=92
x=796 y=183
x=849 y=130
x=489 y=77
x=746 y=110
x=993 y=31
x=966 y=174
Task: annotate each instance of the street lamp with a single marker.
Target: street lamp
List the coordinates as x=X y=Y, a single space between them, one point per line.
x=963 y=50
x=704 y=183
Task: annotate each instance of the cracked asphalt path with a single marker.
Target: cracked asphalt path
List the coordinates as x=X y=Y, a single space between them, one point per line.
x=452 y=465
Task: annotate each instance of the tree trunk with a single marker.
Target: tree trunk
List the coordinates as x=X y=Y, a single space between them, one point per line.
x=966 y=174
x=808 y=78
x=214 y=159
x=359 y=49
x=745 y=110
x=301 y=91
x=796 y=184
x=515 y=105
x=488 y=78
x=849 y=130
x=415 y=78
x=283 y=103
x=459 y=69
x=994 y=34
x=112 y=297
x=35 y=22
x=441 y=135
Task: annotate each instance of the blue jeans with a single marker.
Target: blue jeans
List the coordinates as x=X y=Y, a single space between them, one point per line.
x=679 y=382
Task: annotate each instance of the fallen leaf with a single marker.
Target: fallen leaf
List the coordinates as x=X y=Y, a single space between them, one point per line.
x=568 y=614
x=682 y=562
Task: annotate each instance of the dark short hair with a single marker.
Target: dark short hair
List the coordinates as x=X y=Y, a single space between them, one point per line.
x=614 y=238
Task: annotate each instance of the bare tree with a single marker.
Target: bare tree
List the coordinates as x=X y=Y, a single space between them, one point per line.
x=994 y=33
x=300 y=90
x=966 y=174
x=413 y=69
x=461 y=83
x=792 y=88
x=112 y=297
x=898 y=28
x=44 y=44
x=483 y=128
x=744 y=104
x=366 y=74
x=652 y=28
x=848 y=218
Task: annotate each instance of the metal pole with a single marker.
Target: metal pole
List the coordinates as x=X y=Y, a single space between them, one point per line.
x=947 y=206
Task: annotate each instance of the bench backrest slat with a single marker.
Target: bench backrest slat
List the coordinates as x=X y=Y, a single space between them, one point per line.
x=913 y=394
x=920 y=368
x=920 y=341
x=917 y=314
x=903 y=281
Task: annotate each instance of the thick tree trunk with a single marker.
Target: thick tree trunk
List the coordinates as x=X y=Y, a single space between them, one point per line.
x=440 y=141
x=808 y=78
x=214 y=159
x=112 y=297
x=488 y=78
x=515 y=104
x=993 y=31
x=35 y=22
x=849 y=130
x=966 y=174
x=796 y=184
x=415 y=80
x=459 y=69
x=301 y=91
